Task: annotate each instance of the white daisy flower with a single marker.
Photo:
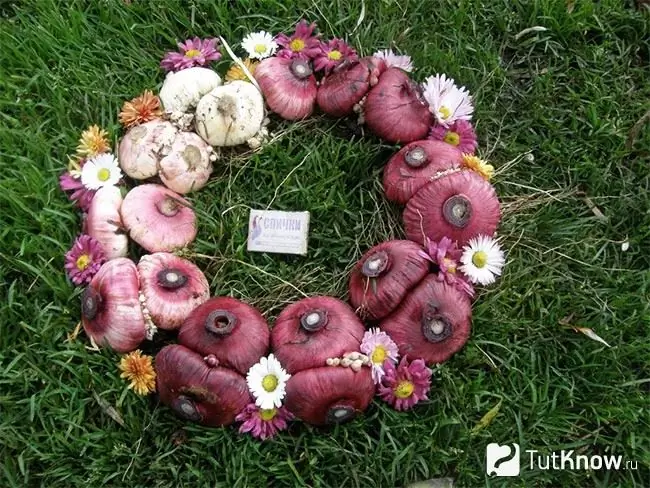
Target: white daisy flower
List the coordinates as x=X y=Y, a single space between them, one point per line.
x=482 y=260
x=267 y=381
x=102 y=170
x=446 y=101
x=379 y=347
x=259 y=45
x=395 y=60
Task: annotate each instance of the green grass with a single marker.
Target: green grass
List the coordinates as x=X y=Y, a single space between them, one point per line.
x=568 y=96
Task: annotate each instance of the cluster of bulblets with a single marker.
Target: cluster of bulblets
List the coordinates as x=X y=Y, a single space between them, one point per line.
x=397 y=285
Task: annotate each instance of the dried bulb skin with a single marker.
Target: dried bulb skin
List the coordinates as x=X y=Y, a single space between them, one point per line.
x=104 y=223
x=326 y=395
x=197 y=391
x=376 y=296
x=460 y=206
x=433 y=322
x=308 y=332
x=143 y=146
x=415 y=165
x=231 y=330
x=158 y=219
x=187 y=167
x=341 y=90
x=395 y=109
x=230 y=114
x=172 y=288
x=110 y=307
x=288 y=85
x=182 y=90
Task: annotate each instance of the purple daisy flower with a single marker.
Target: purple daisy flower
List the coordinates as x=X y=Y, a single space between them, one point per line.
x=76 y=190
x=460 y=134
x=303 y=43
x=263 y=423
x=446 y=256
x=332 y=54
x=192 y=52
x=84 y=259
x=406 y=385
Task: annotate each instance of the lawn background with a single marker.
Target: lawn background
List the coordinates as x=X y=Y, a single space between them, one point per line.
x=554 y=112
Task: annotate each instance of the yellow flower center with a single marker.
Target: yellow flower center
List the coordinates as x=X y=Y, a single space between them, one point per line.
x=479 y=259
x=444 y=112
x=334 y=55
x=297 y=45
x=270 y=382
x=452 y=138
x=268 y=414
x=404 y=389
x=103 y=174
x=260 y=48
x=451 y=265
x=82 y=262
x=192 y=53
x=379 y=355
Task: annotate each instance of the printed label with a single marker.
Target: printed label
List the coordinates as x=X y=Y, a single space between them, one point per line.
x=278 y=232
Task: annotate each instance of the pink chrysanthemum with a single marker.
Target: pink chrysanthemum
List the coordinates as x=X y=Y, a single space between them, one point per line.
x=84 y=259
x=406 y=385
x=302 y=44
x=446 y=256
x=460 y=134
x=192 y=52
x=379 y=347
x=332 y=54
x=76 y=190
x=263 y=423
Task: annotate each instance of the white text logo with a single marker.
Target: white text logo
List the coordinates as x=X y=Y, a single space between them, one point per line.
x=502 y=460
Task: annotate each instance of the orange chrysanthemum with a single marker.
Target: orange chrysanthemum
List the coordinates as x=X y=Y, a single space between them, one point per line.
x=141 y=109
x=235 y=72
x=93 y=141
x=138 y=370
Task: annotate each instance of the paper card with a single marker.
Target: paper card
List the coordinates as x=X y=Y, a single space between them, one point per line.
x=278 y=232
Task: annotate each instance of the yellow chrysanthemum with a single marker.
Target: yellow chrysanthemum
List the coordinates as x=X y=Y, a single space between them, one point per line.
x=138 y=370
x=93 y=141
x=141 y=109
x=236 y=73
x=477 y=164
